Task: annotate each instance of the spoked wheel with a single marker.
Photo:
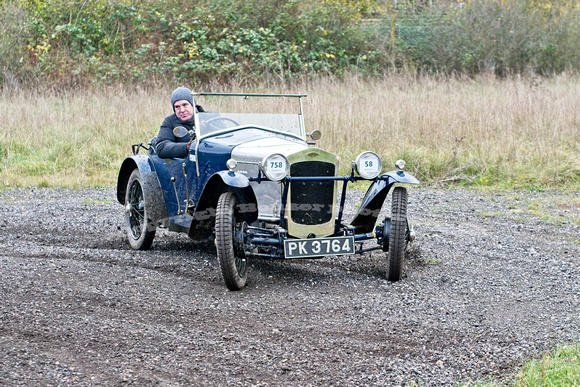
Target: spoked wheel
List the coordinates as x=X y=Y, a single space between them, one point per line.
x=398 y=234
x=139 y=230
x=233 y=263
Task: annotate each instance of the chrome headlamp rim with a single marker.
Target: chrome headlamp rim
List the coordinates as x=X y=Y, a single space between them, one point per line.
x=275 y=172
x=363 y=170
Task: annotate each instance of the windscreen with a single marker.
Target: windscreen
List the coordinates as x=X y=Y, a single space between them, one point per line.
x=270 y=112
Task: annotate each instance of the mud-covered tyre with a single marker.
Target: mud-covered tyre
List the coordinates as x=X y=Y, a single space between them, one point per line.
x=140 y=230
x=234 y=267
x=397 y=234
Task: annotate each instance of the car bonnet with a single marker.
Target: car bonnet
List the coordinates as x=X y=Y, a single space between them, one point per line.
x=256 y=150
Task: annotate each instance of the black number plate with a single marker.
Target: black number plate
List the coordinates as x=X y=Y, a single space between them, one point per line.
x=319 y=247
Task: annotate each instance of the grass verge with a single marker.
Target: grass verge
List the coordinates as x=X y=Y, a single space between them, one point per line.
x=484 y=132
x=560 y=368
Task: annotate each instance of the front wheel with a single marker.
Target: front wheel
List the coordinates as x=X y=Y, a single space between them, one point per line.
x=140 y=231
x=234 y=266
x=397 y=234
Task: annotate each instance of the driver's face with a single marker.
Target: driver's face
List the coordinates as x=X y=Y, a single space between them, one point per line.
x=183 y=109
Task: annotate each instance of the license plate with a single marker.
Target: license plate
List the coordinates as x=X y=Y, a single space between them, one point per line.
x=318 y=247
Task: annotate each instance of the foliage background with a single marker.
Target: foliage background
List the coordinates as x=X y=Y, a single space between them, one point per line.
x=70 y=43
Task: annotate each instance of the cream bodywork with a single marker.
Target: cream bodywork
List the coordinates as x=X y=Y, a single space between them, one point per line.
x=269 y=193
x=255 y=151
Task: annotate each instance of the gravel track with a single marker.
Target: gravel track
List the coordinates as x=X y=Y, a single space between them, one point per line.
x=487 y=286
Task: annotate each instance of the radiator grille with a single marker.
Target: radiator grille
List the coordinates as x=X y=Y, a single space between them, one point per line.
x=311 y=202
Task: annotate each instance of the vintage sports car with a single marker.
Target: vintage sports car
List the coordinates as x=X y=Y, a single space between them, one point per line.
x=255 y=181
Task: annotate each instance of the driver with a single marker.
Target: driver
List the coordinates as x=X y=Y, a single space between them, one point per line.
x=168 y=145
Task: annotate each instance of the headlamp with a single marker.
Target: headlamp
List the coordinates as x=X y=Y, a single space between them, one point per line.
x=400 y=164
x=275 y=166
x=368 y=165
x=231 y=164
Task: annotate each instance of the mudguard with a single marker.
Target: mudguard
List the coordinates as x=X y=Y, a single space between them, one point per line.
x=233 y=179
x=368 y=212
x=152 y=193
x=220 y=182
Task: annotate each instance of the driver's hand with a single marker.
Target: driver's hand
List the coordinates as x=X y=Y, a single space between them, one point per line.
x=189 y=143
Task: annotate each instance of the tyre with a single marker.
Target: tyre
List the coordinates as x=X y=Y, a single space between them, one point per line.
x=234 y=265
x=140 y=230
x=397 y=234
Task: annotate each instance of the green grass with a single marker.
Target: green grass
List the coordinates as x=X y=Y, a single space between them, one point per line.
x=560 y=368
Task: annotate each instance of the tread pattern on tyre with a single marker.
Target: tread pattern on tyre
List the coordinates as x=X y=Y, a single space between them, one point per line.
x=397 y=235
x=224 y=234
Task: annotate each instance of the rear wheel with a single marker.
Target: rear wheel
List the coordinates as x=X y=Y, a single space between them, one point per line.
x=397 y=234
x=233 y=263
x=140 y=231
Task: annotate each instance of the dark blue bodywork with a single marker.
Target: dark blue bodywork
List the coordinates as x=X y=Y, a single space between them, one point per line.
x=190 y=187
x=180 y=185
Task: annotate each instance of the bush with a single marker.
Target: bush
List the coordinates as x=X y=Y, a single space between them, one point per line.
x=504 y=37
x=82 y=42
x=74 y=42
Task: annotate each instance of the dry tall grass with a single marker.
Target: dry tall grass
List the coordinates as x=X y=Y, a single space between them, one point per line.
x=485 y=130
x=518 y=132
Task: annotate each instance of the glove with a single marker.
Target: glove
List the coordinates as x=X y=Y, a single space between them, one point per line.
x=189 y=144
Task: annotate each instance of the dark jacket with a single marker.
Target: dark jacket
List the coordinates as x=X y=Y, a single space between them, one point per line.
x=169 y=146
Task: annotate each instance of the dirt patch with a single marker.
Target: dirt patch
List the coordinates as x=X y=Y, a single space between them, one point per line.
x=487 y=285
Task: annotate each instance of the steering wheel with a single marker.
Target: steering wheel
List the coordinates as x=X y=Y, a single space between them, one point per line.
x=212 y=121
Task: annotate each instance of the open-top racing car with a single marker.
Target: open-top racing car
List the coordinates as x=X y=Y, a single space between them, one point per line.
x=256 y=182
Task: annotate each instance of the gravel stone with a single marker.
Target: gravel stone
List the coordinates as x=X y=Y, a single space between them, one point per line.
x=487 y=286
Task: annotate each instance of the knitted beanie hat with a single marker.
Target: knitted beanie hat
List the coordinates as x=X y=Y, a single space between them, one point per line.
x=179 y=94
